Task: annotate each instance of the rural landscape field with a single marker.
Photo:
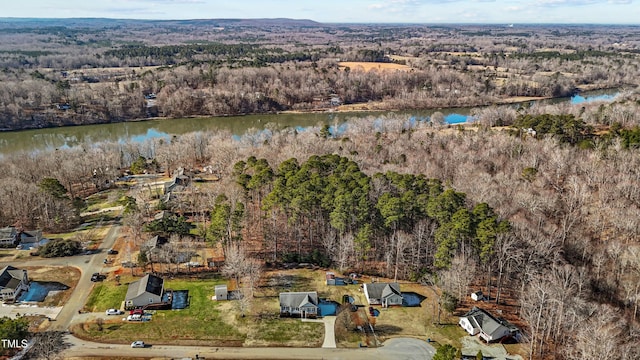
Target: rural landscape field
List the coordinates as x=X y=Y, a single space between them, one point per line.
x=295 y=189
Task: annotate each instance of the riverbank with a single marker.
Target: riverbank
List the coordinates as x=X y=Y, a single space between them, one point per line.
x=59 y=119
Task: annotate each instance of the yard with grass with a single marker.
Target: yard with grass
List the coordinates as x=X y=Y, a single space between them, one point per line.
x=203 y=322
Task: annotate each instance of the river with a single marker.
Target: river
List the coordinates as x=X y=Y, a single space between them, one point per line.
x=70 y=136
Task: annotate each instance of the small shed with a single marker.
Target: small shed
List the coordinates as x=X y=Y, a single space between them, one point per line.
x=221 y=292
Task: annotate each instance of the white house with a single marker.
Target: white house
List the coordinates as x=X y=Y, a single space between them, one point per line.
x=479 y=321
x=385 y=294
x=8 y=236
x=13 y=281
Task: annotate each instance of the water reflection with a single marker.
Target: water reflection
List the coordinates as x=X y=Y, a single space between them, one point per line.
x=66 y=137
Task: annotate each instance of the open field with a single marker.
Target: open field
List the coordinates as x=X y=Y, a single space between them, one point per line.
x=369 y=66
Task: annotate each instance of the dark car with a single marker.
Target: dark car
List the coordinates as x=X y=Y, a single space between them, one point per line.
x=98 y=277
x=112 y=252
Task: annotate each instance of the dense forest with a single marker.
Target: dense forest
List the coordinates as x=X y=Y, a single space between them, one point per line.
x=78 y=72
x=549 y=216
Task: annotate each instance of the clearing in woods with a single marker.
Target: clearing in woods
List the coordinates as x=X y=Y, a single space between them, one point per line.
x=368 y=66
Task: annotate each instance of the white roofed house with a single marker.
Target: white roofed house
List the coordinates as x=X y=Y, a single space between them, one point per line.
x=13 y=281
x=478 y=321
x=299 y=304
x=385 y=294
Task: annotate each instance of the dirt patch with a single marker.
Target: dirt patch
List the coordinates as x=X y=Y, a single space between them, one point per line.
x=369 y=66
x=68 y=276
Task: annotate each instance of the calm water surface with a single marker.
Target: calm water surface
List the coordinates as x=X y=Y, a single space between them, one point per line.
x=70 y=136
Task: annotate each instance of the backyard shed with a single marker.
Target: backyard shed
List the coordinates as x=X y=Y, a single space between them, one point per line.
x=221 y=292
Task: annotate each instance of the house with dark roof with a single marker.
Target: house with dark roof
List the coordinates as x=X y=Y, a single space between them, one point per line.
x=299 y=304
x=385 y=294
x=8 y=236
x=153 y=248
x=145 y=291
x=13 y=281
x=479 y=321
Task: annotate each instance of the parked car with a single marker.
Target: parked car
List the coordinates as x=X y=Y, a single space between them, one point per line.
x=136 y=312
x=97 y=277
x=114 y=312
x=137 y=344
x=112 y=252
x=135 y=317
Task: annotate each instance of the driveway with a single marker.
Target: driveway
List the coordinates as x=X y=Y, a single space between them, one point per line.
x=329 y=332
x=14 y=311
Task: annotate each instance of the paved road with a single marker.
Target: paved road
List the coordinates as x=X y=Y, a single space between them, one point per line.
x=83 y=289
x=88 y=264
x=397 y=349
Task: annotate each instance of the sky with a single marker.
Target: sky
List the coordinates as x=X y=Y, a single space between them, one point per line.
x=342 y=11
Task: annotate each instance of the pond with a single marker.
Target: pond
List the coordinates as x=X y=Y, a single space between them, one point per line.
x=38 y=290
x=139 y=131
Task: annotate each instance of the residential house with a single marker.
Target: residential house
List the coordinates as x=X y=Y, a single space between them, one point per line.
x=153 y=248
x=299 y=304
x=13 y=281
x=30 y=238
x=145 y=291
x=8 y=236
x=385 y=294
x=479 y=321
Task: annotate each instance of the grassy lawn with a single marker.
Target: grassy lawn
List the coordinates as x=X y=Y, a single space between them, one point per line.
x=200 y=323
x=104 y=199
x=203 y=322
x=219 y=323
x=106 y=295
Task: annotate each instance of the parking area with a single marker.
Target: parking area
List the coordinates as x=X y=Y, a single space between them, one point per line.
x=14 y=311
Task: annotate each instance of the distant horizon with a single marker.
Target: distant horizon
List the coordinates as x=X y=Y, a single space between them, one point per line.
x=595 y=12
x=513 y=24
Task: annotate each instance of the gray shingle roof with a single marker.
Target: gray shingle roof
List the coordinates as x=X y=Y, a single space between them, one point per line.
x=382 y=290
x=10 y=277
x=149 y=284
x=298 y=299
x=484 y=321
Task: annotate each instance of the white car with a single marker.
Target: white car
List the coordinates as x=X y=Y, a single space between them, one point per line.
x=114 y=312
x=135 y=317
x=137 y=344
